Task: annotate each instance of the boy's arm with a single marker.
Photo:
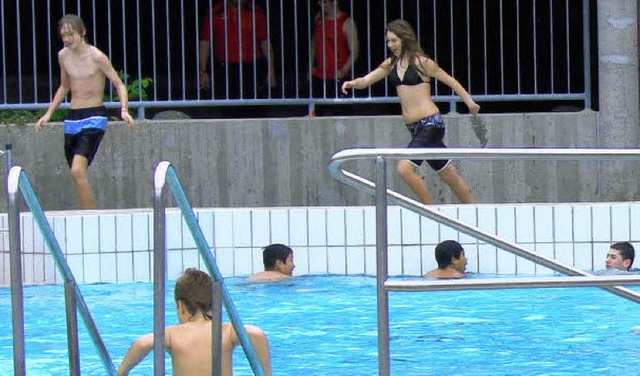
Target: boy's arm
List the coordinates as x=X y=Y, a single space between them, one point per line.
x=138 y=350
x=60 y=95
x=260 y=343
x=112 y=75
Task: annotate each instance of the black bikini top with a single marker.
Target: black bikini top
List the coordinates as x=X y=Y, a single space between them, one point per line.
x=410 y=78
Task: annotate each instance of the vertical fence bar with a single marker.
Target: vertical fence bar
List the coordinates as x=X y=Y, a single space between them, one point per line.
x=486 y=87
x=72 y=327
x=552 y=49
x=49 y=54
x=586 y=57
x=168 y=31
x=34 y=52
x=297 y=54
x=139 y=55
x=153 y=49
x=125 y=49
x=382 y=270
x=282 y=48
x=4 y=55
x=534 y=18
x=15 y=262
x=18 y=49
x=568 y=42
x=182 y=39
x=452 y=102
x=518 y=45
x=109 y=41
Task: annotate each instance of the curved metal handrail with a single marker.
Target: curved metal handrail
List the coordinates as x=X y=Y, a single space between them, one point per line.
x=367 y=186
x=17 y=181
x=165 y=175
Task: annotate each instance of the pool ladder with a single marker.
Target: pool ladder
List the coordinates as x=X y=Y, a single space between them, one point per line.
x=18 y=182
x=577 y=278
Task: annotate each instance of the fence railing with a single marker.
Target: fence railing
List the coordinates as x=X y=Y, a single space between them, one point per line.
x=500 y=50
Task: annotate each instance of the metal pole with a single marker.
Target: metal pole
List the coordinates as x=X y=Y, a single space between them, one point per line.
x=72 y=327
x=8 y=150
x=586 y=40
x=15 y=261
x=216 y=328
x=382 y=269
x=159 y=274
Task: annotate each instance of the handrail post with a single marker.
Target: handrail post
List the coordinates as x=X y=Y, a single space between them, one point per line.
x=159 y=276
x=216 y=328
x=15 y=261
x=72 y=327
x=166 y=175
x=382 y=269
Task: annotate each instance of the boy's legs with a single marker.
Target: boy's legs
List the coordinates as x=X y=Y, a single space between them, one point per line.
x=408 y=173
x=449 y=175
x=80 y=176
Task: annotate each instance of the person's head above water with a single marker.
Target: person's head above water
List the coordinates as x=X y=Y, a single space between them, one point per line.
x=620 y=256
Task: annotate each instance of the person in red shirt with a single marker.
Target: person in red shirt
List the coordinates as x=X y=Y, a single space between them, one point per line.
x=237 y=30
x=334 y=49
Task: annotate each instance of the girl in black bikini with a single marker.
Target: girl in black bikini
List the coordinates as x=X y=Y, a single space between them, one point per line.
x=410 y=71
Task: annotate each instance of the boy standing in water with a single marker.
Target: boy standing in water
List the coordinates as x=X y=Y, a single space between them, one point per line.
x=83 y=69
x=189 y=343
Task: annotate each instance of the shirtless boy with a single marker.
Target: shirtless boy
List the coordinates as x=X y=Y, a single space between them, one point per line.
x=83 y=69
x=278 y=263
x=189 y=343
x=451 y=260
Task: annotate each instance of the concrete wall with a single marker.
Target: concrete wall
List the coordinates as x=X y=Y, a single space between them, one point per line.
x=282 y=162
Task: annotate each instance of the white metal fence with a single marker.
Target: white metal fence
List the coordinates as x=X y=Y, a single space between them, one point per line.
x=500 y=50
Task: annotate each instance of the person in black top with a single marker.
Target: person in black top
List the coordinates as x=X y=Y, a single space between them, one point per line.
x=410 y=70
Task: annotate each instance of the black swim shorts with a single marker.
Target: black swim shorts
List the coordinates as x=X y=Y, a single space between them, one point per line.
x=428 y=133
x=83 y=131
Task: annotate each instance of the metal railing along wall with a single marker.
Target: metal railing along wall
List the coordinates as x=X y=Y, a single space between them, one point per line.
x=500 y=50
x=165 y=175
x=18 y=181
x=382 y=194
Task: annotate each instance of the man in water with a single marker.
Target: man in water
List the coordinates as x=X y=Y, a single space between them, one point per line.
x=278 y=263
x=189 y=343
x=620 y=256
x=451 y=259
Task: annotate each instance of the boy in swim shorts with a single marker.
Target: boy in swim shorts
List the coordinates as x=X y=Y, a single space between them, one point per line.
x=83 y=69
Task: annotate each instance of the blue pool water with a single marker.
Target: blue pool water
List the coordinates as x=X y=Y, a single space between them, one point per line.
x=326 y=325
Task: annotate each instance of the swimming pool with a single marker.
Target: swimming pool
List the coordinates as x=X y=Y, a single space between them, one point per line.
x=326 y=325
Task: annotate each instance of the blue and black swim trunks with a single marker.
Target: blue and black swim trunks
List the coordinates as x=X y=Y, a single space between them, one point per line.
x=428 y=133
x=83 y=131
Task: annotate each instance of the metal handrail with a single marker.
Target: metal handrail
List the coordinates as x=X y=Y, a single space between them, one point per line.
x=166 y=174
x=509 y=283
x=382 y=194
x=484 y=154
x=17 y=181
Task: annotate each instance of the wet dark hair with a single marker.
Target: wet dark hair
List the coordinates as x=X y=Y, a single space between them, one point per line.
x=627 y=252
x=410 y=46
x=273 y=253
x=75 y=22
x=446 y=251
x=193 y=289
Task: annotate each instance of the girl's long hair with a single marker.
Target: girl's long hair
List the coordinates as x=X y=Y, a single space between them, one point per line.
x=410 y=46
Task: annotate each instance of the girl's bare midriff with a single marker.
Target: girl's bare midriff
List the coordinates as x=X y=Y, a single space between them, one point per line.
x=416 y=102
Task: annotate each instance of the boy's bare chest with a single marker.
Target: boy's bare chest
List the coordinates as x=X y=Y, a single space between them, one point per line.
x=81 y=68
